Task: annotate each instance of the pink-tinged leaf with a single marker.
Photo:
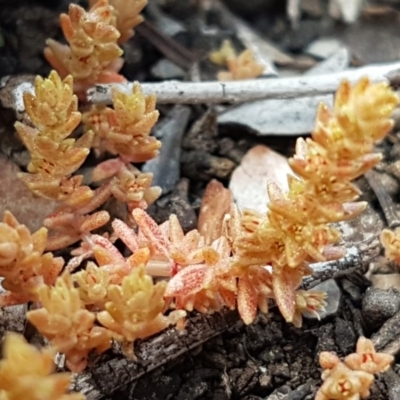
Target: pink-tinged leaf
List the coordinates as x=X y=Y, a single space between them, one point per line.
x=12 y=299
x=60 y=241
x=221 y=245
x=228 y=297
x=333 y=252
x=262 y=303
x=94 y=221
x=215 y=205
x=262 y=279
x=76 y=261
x=139 y=257
x=151 y=231
x=185 y=303
x=106 y=169
x=187 y=281
x=126 y=234
x=211 y=256
x=104 y=251
x=275 y=193
x=50 y=275
x=174 y=268
x=247 y=300
x=285 y=295
x=176 y=234
x=100 y=196
x=164 y=228
x=190 y=245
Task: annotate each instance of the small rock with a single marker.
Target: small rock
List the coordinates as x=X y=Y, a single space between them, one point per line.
x=218 y=360
x=333 y=300
x=392 y=381
x=338 y=61
x=265 y=381
x=390 y=184
x=12 y=109
x=323 y=48
x=345 y=337
x=271 y=355
x=200 y=165
x=281 y=371
x=352 y=290
x=177 y=203
x=235 y=151
x=275 y=116
x=203 y=134
x=379 y=305
x=12 y=319
x=280 y=393
x=244 y=379
x=386 y=281
x=165 y=69
x=387 y=338
x=394 y=168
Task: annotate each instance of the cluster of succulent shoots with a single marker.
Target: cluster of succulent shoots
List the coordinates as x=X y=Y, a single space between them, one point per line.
x=296 y=230
x=242 y=66
x=83 y=311
x=391 y=243
x=29 y=373
x=93 y=54
x=353 y=377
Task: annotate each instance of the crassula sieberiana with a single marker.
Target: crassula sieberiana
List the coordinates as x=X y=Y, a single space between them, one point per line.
x=29 y=373
x=230 y=271
x=353 y=377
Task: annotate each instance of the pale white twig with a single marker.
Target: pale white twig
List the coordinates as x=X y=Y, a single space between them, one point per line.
x=176 y=92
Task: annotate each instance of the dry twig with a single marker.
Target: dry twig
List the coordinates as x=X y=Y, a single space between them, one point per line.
x=175 y=92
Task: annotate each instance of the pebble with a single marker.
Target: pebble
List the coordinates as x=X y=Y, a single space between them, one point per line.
x=338 y=61
x=392 y=381
x=324 y=47
x=387 y=338
x=165 y=69
x=12 y=319
x=176 y=202
x=379 y=305
x=275 y=116
x=199 y=165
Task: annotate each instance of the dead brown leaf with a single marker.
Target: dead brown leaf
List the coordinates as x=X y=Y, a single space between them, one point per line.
x=29 y=209
x=249 y=180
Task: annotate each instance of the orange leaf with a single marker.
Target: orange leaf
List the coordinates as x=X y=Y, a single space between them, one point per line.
x=285 y=295
x=247 y=300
